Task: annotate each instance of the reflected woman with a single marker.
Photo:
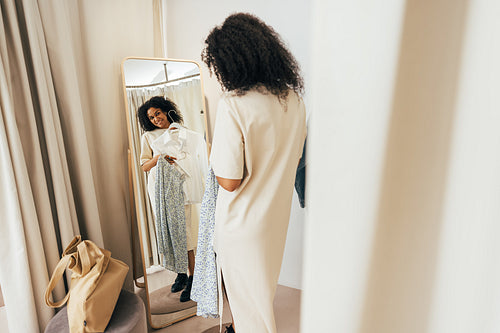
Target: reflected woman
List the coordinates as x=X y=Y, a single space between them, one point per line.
x=259 y=134
x=155 y=117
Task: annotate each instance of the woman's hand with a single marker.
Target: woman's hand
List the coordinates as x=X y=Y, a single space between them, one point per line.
x=170 y=159
x=152 y=162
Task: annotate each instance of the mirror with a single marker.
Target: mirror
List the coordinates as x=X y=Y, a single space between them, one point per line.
x=154 y=271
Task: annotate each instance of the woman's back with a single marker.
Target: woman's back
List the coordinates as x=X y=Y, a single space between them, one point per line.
x=259 y=140
x=272 y=134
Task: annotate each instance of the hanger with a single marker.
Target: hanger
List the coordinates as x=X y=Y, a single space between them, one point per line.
x=182 y=169
x=173 y=126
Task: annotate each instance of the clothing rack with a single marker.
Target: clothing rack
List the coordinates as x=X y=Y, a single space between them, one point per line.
x=163 y=82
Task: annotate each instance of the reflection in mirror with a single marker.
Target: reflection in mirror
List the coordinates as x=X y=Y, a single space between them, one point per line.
x=168 y=159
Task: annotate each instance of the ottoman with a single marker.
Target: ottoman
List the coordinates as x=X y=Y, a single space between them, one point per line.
x=129 y=316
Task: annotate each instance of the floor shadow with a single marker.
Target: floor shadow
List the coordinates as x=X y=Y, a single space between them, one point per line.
x=402 y=270
x=216 y=329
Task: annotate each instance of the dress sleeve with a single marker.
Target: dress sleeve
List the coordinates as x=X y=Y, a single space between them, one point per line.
x=146 y=151
x=227 y=155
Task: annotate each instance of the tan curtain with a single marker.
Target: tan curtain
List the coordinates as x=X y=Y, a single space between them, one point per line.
x=63 y=141
x=160 y=28
x=136 y=97
x=187 y=97
x=37 y=208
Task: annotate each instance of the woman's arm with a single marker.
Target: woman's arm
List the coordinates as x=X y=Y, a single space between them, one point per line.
x=229 y=184
x=148 y=165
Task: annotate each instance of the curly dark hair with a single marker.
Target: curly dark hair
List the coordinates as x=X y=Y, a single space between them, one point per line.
x=245 y=53
x=162 y=103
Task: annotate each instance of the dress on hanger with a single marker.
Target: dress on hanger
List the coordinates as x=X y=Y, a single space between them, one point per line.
x=190 y=150
x=170 y=218
x=205 y=286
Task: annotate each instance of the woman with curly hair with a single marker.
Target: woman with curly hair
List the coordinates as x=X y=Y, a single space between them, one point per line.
x=259 y=134
x=155 y=117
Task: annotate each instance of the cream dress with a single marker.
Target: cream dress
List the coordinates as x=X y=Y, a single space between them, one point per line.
x=259 y=140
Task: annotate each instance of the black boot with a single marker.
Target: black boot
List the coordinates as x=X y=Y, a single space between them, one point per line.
x=229 y=329
x=180 y=282
x=186 y=294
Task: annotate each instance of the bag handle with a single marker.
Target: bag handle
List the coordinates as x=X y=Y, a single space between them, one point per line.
x=56 y=276
x=67 y=257
x=90 y=254
x=72 y=245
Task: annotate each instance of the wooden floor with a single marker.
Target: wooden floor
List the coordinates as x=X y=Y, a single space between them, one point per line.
x=4 y=327
x=3 y=316
x=286 y=310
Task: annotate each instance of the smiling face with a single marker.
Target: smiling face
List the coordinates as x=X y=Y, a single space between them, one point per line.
x=158 y=118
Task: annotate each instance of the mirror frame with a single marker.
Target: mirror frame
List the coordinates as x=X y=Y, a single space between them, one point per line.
x=135 y=192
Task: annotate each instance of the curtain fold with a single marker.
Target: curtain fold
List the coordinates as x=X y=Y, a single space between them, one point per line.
x=65 y=51
x=35 y=192
x=160 y=28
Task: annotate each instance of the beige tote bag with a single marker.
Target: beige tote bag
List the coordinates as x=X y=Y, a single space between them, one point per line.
x=96 y=282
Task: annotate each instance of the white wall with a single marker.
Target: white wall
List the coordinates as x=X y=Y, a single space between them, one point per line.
x=188 y=24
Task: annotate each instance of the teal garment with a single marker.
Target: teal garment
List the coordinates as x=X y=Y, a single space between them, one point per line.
x=300 y=178
x=170 y=218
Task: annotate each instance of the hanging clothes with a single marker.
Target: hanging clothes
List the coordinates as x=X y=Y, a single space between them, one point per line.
x=190 y=150
x=204 y=290
x=170 y=218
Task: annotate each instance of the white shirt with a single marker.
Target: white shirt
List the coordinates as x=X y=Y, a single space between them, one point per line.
x=190 y=150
